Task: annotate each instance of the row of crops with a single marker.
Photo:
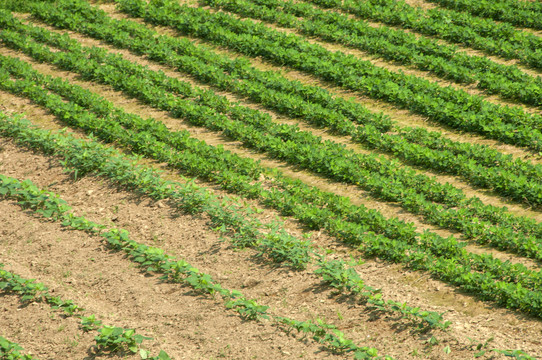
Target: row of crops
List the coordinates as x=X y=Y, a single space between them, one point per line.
x=278 y=247
x=397 y=177
x=487 y=35
x=413 y=145
x=428 y=188
x=241 y=181
x=90 y=157
x=519 y=13
x=443 y=105
x=154 y=260
x=445 y=61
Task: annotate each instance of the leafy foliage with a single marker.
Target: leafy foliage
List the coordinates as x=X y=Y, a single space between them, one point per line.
x=456 y=27
x=445 y=105
x=396 y=242
x=119 y=340
x=116 y=339
x=337 y=228
x=11 y=351
x=461 y=219
x=522 y=14
x=393 y=44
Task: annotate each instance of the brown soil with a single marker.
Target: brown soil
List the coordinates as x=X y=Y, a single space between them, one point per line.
x=421 y=4
x=76 y=266
x=17 y=105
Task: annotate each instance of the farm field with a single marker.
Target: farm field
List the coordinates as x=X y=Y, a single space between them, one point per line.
x=270 y=179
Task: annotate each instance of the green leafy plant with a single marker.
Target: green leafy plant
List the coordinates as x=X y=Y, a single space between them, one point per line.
x=90 y=323
x=248 y=309
x=11 y=351
x=116 y=339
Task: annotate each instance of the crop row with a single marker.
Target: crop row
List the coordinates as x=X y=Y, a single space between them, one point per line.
x=446 y=105
x=155 y=260
x=110 y=339
x=145 y=136
x=49 y=205
x=468 y=104
x=417 y=154
x=520 y=13
x=353 y=233
x=110 y=72
x=214 y=166
x=132 y=35
x=504 y=236
x=486 y=156
x=517 y=179
x=392 y=44
x=90 y=157
x=240 y=69
x=151 y=259
x=201 y=161
x=196 y=158
x=80 y=96
x=457 y=27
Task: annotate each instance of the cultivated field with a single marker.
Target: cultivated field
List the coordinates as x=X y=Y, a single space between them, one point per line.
x=270 y=179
